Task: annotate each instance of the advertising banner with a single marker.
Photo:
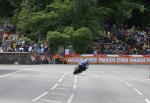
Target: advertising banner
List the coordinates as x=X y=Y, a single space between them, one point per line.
x=109 y=59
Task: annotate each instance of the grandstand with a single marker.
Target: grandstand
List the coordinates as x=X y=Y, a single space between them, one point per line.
x=123 y=40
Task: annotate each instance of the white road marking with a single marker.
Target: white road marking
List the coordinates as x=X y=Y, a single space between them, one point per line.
x=39 y=97
x=147 y=100
x=139 y=80
x=75 y=80
x=67 y=79
x=120 y=80
x=130 y=85
x=25 y=69
x=64 y=74
x=6 y=75
x=70 y=98
x=74 y=86
x=138 y=91
x=76 y=77
x=60 y=80
x=45 y=100
x=62 y=88
x=133 y=79
x=55 y=86
x=58 y=94
x=75 y=83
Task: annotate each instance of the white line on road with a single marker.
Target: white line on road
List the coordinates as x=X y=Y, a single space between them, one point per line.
x=120 y=80
x=74 y=86
x=62 y=88
x=6 y=75
x=39 y=97
x=147 y=101
x=45 y=100
x=70 y=98
x=76 y=77
x=75 y=83
x=55 y=86
x=58 y=94
x=130 y=85
x=64 y=74
x=75 y=80
x=138 y=91
x=140 y=79
x=133 y=78
x=60 y=80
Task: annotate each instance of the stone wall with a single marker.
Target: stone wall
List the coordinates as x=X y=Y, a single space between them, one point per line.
x=11 y=58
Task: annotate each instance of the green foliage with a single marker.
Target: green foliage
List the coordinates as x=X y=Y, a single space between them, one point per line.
x=81 y=40
x=5 y=8
x=68 y=31
x=86 y=13
x=121 y=10
x=36 y=17
x=56 y=39
x=78 y=13
x=24 y=39
x=62 y=10
x=24 y=20
x=53 y=18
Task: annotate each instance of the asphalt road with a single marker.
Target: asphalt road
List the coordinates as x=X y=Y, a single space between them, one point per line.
x=57 y=84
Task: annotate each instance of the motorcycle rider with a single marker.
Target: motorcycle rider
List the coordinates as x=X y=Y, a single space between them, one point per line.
x=83 y=65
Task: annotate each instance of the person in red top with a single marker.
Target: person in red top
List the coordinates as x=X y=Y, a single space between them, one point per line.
x=33 y=59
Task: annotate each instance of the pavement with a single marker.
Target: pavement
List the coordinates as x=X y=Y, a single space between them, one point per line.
x=57 y=84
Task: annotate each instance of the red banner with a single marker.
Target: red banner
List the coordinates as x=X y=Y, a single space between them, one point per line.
x=110 y=59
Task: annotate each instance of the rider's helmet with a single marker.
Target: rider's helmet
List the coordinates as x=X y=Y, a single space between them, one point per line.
x=86 y=60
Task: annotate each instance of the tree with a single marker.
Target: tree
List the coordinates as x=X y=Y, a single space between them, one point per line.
x=121 y=9
x=86 y=13
x=81 y=40
x=53 y=18
x=68 y=31
x=5 y=9
x=37 y=17
x=56 y=39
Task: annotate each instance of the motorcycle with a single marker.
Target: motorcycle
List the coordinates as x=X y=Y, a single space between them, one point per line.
x=80 y=69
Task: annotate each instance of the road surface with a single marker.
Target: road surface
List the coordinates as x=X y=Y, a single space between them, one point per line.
x=57 y=84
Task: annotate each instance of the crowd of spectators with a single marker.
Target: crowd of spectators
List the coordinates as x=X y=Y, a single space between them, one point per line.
x=9 y=27
x=122 y=39
x=127 y=40
x=20 y=45
x=25 y=46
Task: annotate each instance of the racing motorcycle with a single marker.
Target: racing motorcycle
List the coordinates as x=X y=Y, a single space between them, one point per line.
x=79 y=69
